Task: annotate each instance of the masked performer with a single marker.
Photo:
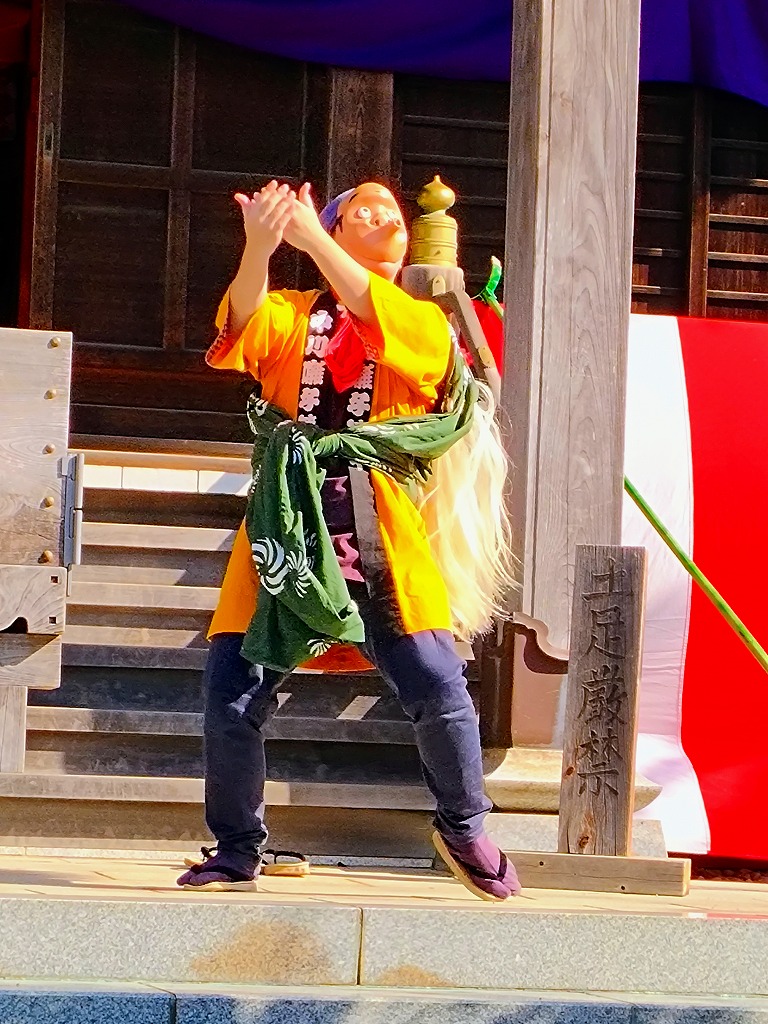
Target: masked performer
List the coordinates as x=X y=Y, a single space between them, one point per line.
x=375 y=527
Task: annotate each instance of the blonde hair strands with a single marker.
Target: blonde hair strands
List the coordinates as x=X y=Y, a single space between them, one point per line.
x=468 y=524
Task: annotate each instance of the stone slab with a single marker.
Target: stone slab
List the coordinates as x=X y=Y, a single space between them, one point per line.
x=26 y=1002
x=242 y=1005
x=382 y=1006
x=528 y=779
x=221 y=939
x=538 y=833
x=691 y=954
x=79 y=1003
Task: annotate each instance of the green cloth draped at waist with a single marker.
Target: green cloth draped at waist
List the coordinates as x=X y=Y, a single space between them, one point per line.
x=303 y=604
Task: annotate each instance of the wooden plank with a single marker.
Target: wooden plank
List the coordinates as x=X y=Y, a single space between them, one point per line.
x=759 y=259
x=133 y=636
x=138 y=574
x=739 y=220
x=161 y=446
x=98 y=720
x=47 y=159
x=568 y=271
x=34 y=593
x=597 y=791
x=647 y=876
x=161 y=460
x=13 y=712
x=98 y=172
x=177 y=251
x=134 y=595
x=34 y=418
x=728 y=296
x=181 y=790
x=358 y=99
x=701 y=158
x=32 y=661
x=110 y=419
x=176 y=723
x=178 y=538
x=78 y=652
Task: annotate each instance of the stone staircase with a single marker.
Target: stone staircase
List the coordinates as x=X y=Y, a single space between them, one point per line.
x=114 y=756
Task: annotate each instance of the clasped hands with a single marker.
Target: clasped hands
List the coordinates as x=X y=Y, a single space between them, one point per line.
x=278 y=213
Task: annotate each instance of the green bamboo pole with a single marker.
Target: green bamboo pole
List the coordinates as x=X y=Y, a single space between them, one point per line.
x=693 y=570
x=488 y=295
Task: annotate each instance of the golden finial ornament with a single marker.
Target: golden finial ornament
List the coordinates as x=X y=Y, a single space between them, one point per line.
x=434 y=233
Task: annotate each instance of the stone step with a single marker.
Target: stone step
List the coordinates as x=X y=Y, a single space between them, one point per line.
x=150 y=597
x=170 y=755
x=151 y=789
x=409 y=930
x=179 y=723
x=40 y=1002
x=80 y=652
x=152 y=446
x=177 y=538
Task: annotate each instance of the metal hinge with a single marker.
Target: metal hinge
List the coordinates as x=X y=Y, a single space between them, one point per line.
x=74 y=465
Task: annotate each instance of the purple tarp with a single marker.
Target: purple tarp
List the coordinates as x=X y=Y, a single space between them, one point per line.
x=719 y=43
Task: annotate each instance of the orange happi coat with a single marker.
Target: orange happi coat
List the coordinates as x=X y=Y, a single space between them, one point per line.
x=411 y=347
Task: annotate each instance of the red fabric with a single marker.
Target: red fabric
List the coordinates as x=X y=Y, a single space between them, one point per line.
x=725 y=695
x=13 y=36
x=345 y=355
x=493 y=329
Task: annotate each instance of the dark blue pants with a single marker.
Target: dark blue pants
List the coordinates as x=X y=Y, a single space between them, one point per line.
x=425 y=673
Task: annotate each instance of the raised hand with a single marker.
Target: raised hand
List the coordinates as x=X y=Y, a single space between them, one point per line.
x=303 y=227
x=265 y=216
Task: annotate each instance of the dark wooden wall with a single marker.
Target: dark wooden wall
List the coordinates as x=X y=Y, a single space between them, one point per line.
x=146 y=130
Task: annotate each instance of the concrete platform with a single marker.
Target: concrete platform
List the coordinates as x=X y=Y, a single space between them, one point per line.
x=357 y=928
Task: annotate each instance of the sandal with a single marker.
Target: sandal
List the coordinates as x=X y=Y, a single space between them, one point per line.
x=285 y=863
x=494 y=887
x=217 y=873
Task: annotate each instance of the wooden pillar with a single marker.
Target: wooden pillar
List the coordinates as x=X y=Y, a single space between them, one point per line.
x=359 y=136
x=568 y=276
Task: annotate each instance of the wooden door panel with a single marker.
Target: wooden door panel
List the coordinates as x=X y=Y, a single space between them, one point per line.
x=249 y=111
x=110 y=264
x=117 y=89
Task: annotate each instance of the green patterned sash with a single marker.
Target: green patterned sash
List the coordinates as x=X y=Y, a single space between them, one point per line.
x=303 y=603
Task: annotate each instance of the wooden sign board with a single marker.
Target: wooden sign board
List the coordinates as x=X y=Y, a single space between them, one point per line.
x=600 y=733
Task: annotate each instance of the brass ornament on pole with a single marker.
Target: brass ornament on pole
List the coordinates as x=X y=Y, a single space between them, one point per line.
x=434 y=235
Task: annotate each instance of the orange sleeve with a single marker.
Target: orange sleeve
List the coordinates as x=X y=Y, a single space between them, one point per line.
x=265 y=335
x=411 y=336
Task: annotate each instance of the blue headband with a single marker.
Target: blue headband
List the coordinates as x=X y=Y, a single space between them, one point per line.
x=330 y=213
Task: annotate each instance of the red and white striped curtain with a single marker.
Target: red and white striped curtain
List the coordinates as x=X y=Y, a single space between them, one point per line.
x=697 y=449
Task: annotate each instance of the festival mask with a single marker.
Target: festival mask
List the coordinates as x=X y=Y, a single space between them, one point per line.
x=368 y=224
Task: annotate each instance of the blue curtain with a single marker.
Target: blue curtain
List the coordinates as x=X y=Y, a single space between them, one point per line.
x=720 y=43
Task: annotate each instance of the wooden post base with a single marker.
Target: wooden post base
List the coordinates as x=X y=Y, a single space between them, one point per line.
x=647 y=876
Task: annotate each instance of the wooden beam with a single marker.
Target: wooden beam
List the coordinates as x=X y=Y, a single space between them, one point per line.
x=177 y=242
x=701 y=156
x=46 y=162
x=646 y=876
x=359 y=128
x=34 y=415
x=568 y=285
x=13 y=717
